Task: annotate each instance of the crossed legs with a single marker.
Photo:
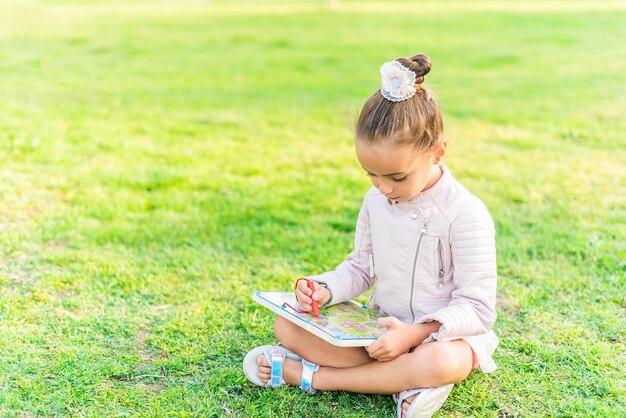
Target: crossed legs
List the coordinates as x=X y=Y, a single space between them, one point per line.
x=351 y=369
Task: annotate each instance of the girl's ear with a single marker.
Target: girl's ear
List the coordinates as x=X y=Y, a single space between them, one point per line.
x=440 y=151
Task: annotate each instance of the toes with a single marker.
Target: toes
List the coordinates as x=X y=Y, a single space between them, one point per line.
x=405 y=407
x=406 y=404
x=265 y=377
x=265 y=371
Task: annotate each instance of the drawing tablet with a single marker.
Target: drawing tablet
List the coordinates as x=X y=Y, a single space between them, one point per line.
x=346 y=324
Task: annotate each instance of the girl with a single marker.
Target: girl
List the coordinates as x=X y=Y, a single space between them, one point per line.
x=429 y=244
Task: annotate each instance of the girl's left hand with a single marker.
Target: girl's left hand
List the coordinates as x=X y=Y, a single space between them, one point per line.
x=398 y=339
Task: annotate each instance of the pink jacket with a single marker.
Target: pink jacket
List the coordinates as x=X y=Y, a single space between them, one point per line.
x=433 y=258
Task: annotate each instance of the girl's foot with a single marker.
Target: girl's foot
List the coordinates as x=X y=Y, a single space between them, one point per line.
x=292 y=371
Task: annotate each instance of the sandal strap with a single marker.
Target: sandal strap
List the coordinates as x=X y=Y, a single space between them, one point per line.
x=308 y=369
x=277 y=357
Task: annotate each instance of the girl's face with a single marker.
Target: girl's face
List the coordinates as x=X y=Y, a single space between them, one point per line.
x=399 y=171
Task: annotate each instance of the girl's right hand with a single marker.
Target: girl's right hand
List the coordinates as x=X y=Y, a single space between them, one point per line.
x=304 y=295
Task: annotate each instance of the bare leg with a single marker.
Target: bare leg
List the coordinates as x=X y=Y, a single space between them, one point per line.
x=429 y=365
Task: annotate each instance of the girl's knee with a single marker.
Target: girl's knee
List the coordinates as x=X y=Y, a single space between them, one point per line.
x=445 y=362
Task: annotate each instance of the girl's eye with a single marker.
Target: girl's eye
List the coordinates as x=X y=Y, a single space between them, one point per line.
x=400 y=179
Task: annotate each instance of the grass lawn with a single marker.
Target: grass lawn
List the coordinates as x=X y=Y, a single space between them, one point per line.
x=160 y=161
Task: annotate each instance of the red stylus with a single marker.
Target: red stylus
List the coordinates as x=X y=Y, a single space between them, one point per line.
x=314 y=305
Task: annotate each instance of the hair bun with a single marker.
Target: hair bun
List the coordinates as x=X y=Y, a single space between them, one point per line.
x=420 y=64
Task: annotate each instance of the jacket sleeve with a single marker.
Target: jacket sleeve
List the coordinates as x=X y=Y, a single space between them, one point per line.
x=352 y=276
x=472 y=310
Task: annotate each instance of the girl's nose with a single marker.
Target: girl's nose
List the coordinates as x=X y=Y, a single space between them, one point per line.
x=384 y=187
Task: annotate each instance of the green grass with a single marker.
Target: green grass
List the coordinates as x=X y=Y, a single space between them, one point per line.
x=159 y=162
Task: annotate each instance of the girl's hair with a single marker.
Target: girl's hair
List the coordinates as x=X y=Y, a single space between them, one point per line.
x=416 y=121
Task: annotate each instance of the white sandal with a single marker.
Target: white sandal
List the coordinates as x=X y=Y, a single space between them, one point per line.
x=426 y=403
x=275 y=356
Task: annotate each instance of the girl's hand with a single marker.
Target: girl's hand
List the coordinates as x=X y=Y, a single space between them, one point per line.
x=398 y=339
x=305 y=296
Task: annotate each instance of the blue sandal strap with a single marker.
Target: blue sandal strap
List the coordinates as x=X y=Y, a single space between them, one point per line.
x=308 y=369
x=277 y=357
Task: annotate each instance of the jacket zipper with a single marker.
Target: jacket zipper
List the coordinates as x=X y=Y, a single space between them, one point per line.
x=441 y=272
x=419 y=243
x=371 y=265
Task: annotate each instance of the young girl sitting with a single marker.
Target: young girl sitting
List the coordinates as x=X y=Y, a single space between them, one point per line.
x=429 y=244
